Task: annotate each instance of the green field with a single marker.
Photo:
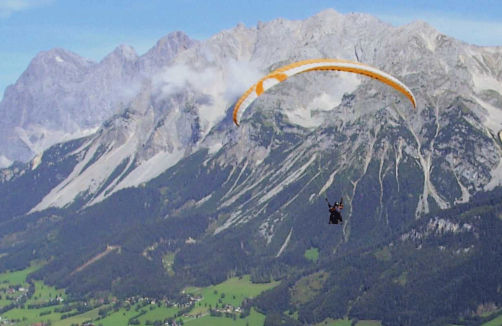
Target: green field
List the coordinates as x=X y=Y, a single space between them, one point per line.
x=254 y=319
x=333 y=322
x=120 y=317
x=157 y=314
x=31 y=315
x=168 y=260
x=235 y=290
x=44 y=293
x=369 y=323
x=348 y=322
x=79 y=319
x=312 y=254
x=18 y=277
x=494 y=322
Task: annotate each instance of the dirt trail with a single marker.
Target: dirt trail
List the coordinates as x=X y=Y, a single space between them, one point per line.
x=108 y=250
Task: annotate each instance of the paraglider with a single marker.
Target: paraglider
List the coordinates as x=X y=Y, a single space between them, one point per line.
x=335 y=211
x=285 y=72
x=278 y=76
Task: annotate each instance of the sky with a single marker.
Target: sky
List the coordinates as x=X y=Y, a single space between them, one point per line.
x=94 y=28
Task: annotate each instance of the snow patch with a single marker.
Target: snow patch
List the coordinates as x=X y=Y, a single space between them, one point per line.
x=58 y=59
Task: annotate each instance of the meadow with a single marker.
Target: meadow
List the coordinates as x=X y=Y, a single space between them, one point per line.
x=312 y=254
x=18 y=277
x=231 y=292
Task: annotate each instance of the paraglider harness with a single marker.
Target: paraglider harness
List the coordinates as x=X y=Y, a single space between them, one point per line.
x=335 y=211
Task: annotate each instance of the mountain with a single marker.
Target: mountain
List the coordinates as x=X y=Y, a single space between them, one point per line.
x=436 y=271
x=62 y=96
x=195 y=90
x=170 y=173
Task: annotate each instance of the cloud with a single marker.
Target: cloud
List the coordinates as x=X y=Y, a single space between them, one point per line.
x=241 y=76
x=7 y=7
x=175 y=79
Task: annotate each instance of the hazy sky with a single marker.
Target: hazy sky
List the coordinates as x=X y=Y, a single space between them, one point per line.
x=93 y=28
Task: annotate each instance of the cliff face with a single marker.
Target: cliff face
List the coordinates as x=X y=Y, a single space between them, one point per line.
x=62 y=96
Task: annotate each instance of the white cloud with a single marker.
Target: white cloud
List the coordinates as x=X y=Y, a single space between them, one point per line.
x=217 y=87
x=7 y=7
x=241 y=76
x=176 y=78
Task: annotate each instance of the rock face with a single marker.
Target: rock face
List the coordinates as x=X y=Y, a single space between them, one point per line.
x=316 y=134
x=62 y=96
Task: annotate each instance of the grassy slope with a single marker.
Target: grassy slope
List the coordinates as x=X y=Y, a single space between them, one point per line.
x=79 y=319
x=157 y=314
x=31 y=315
x=120 y=317
x=312 y=254
x=240 y=288
x=494 y=322
x=254 y=319
x=44 y=293
x=18 y=277
x=235 y=289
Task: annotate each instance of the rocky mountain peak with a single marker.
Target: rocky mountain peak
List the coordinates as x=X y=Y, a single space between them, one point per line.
x=188 y=98
x=329 y=14
x=122 y=53
x=56 y=64
x=171 y=44
x=164 y=51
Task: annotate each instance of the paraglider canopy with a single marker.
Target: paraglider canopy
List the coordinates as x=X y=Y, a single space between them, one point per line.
x=283 y=73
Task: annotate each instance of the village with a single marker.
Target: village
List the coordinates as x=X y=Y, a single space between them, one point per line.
x=22 y=299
